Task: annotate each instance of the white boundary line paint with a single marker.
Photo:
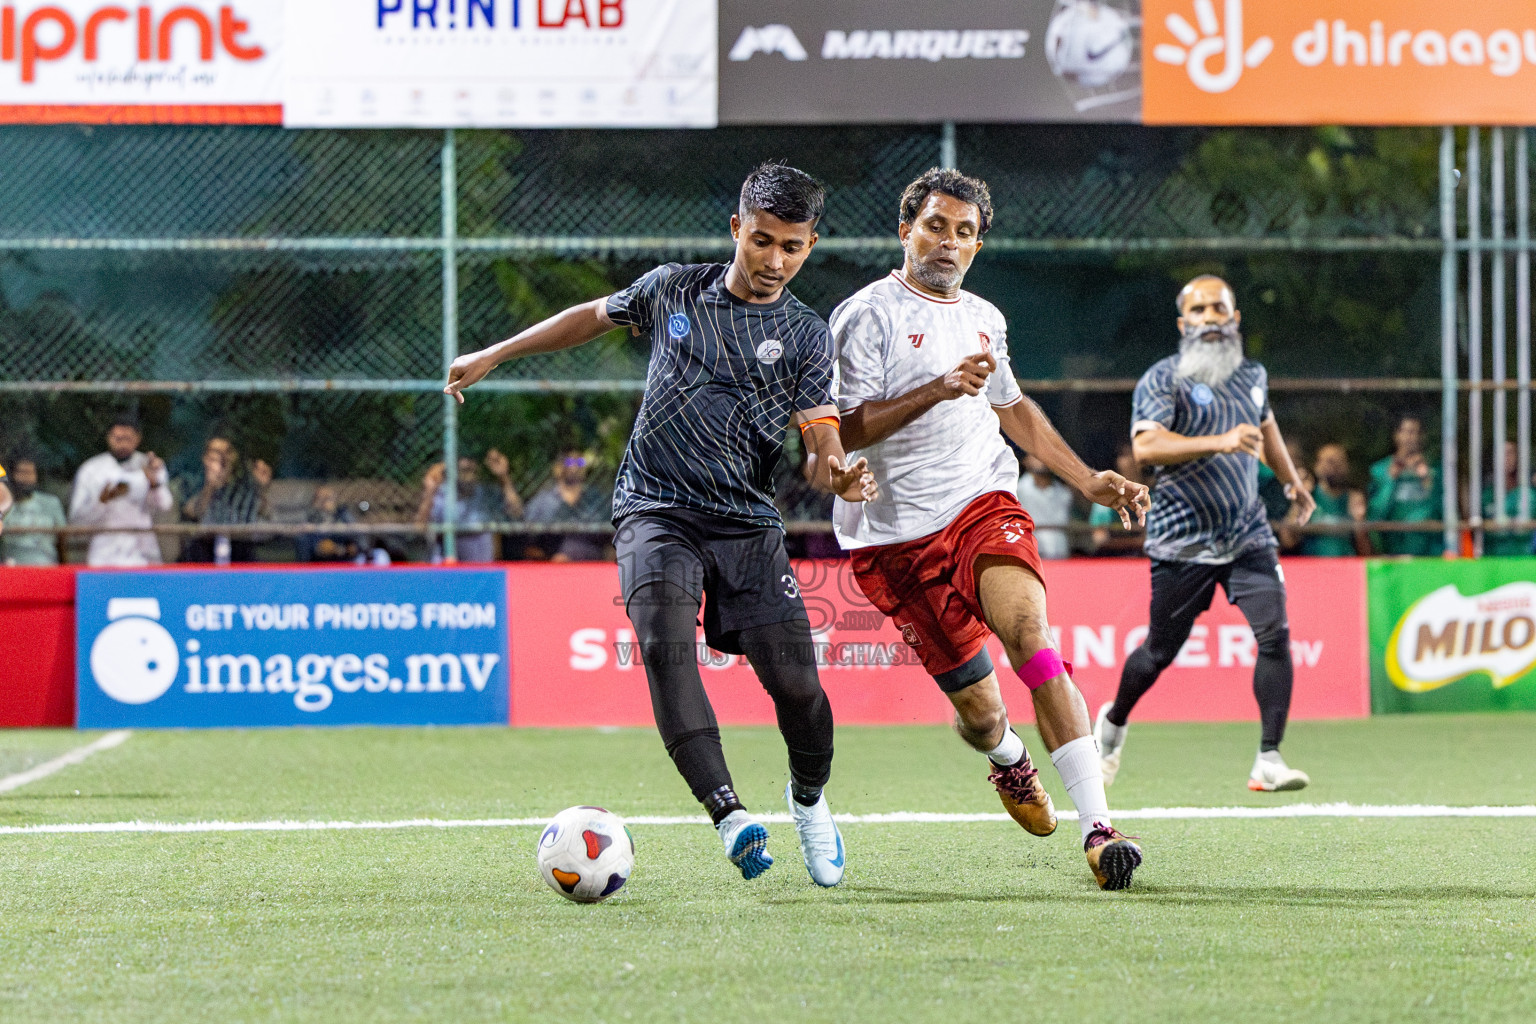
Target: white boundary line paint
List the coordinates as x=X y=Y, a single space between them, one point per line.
x=895 y=818
x=74 y=757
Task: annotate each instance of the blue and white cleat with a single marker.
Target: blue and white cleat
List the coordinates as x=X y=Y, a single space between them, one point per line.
x=746 y=843
x=820 y=841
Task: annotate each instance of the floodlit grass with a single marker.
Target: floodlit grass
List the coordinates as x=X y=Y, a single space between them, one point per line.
x=1235 y=920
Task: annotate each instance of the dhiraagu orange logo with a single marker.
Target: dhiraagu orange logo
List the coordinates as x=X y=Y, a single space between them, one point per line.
x=1447 y=635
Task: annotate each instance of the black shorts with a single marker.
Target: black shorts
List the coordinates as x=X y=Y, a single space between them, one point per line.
x=1182 y=590
x=739 y=571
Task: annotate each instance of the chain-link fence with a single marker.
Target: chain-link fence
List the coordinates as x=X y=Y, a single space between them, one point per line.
x=299 y=292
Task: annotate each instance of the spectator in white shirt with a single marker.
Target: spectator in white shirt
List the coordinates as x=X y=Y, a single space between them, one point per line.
x=122 y=487
x=1049 y=503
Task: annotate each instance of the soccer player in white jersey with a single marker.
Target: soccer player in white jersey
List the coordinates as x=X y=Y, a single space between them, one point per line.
x=946 y=551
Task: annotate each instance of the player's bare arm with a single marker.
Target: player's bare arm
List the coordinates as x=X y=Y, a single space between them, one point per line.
x=826 y=461
x=5 y=504
x=873 y=422
x=567 y=329
x=1278 y=458
x=1159 y=446
x=1027 y=426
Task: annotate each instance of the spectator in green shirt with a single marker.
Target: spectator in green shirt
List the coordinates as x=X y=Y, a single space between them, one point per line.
x=1405 y=488
x=1337 y=503
x=1508 y=542
x=32 y=508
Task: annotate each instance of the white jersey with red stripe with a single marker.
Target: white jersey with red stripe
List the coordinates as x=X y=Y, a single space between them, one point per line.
x=889 y=339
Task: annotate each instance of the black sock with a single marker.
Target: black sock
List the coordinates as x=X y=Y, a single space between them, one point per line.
x=721 y=803
x=805 y=796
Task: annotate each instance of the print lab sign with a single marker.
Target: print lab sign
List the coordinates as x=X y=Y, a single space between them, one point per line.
x=1339 y=62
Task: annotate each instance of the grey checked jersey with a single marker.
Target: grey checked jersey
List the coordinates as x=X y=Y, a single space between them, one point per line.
x=725 y=376
x=1208 y=509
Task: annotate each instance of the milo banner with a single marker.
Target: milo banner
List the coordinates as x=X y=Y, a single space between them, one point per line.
x=1452 y=636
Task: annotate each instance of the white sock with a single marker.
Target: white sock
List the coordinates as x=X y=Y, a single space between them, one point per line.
x=1077 y=762
x=1009 y=752
x=1272 y=756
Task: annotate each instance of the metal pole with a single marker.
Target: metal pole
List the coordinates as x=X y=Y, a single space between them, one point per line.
x=1475 y=335
x=450 y=344
x=1500 y=513
x=1448 y=374
x=1523 y=318
x=947 y=146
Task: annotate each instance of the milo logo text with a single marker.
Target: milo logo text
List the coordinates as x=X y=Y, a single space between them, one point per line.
x=1446 y=636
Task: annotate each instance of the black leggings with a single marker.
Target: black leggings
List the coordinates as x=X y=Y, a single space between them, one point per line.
x=665 y=618
x=1180 y=592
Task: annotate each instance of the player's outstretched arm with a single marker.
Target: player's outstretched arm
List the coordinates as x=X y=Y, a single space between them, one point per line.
x=1159 y=446
x=873 y=422
x=1278 y=458
x=1027 y=426
x=575 y=326
x=825 y=461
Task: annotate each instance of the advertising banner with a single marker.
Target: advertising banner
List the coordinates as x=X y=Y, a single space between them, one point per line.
x=189 y=648
x=1453 y=636
x=575 y=663
x=154 y=62
x=501 y=63
x=1371 y=62
x=787 y=62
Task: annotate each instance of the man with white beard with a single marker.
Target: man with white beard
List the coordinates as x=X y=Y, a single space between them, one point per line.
x=1202 y=419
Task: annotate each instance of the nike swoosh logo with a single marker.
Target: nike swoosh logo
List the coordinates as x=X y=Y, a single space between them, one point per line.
x=1096 y=54
x=839 y=861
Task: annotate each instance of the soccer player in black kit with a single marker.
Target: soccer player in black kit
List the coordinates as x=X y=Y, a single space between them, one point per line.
x=735 y=361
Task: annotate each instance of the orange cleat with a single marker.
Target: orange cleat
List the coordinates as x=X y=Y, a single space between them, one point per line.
x=1025 y=800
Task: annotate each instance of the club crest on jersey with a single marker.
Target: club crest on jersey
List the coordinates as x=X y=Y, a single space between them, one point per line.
x=677 y=325
x=986 y=342
x=1257 y=394
x=1201 y=394
x=770 y=351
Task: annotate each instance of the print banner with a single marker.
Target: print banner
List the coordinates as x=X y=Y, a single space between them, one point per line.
x=501 y=63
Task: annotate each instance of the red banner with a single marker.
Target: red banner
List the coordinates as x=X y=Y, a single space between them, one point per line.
x=574 y=663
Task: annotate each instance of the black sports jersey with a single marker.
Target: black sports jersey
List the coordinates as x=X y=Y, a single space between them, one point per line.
x=1207 y=509
x=725 y=376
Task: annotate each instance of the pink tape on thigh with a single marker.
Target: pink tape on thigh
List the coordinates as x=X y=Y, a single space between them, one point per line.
x=1042 y=668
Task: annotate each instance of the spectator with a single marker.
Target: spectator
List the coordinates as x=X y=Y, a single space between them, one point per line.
x=326 y=510
x=1277 y=504
x=225 y=495
x=477 y=504
x=1405 y=488
x=33 y=508
x=121 y=488
x=6 y=503
x=1508 y=542
x=568 y=499
x=1049 y=503
x=1337 y=503
x=1110 y=537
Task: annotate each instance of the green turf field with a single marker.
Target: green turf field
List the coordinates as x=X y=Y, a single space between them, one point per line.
x=1307 y=919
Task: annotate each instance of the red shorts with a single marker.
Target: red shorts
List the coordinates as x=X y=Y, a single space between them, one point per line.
x=928 y=585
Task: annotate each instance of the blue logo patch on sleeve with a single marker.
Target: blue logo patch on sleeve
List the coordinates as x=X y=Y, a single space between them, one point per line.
x=677 y=325
x=1201 y=394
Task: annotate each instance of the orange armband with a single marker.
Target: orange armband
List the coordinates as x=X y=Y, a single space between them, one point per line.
x=831 y=421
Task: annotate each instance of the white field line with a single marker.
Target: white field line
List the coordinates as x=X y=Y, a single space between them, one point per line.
x=894 y=818
x=74 y=757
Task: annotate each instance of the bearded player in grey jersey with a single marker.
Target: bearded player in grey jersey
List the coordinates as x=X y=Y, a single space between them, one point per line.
x=1202 y=419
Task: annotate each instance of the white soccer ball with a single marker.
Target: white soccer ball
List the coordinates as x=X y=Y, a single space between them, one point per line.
x=586 y=854
x=1089 y=43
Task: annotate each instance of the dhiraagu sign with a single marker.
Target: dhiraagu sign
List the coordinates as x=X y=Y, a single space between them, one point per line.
x=1452 y=636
